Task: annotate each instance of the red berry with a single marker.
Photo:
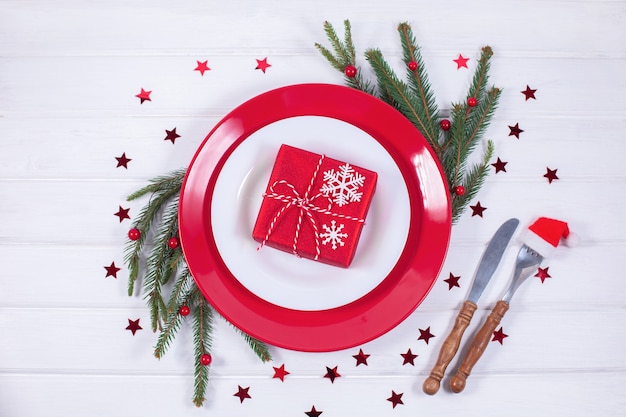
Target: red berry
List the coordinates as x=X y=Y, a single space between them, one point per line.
x=412 y=65
x=134 y=234
x=445 y=124
x=184 y=310
x=206 y=359
x=350 y=71
x=173 y=243
x=459 y=190
x=472 y=101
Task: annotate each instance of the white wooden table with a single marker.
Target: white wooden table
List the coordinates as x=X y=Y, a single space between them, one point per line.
x=69 y=72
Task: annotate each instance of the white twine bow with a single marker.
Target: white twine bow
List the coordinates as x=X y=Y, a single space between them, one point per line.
x=306 y=206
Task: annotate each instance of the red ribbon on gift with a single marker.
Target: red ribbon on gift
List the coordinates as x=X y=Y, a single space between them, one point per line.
x=306 y=206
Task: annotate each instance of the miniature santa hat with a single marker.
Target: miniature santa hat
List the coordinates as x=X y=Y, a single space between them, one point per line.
x=545 y=234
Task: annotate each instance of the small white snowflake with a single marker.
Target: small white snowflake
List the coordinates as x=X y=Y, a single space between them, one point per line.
x=333 y=235
x=343 y=185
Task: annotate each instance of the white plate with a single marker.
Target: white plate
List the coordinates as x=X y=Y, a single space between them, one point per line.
x=282 y=278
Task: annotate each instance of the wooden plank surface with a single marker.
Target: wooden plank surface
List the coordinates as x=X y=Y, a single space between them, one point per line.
x=69 y=72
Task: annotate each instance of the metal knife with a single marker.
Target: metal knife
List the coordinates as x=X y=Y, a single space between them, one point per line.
x=487 y=266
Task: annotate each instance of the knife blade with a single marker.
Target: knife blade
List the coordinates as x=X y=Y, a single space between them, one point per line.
x=486 y=267
x=491 y=258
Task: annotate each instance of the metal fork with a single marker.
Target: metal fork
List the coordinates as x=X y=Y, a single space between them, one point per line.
x=527 y=262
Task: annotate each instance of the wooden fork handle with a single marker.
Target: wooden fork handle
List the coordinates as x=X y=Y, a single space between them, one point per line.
x=478 y=346
x=449 y=348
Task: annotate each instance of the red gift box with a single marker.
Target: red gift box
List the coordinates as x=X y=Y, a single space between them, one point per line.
x=314 y=206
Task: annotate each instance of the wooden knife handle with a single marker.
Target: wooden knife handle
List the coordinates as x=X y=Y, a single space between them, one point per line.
x=449 y=348
x=478 y=346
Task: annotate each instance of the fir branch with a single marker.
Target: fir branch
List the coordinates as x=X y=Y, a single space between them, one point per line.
x=162 y=264
x=479 y=118
x=168 y=230
x=172 y=180
x=162 y=189
x=259 y=348
x=156 y=304
x=349 y=45
x=420 y=87
x=473 y=181
x=202 y=331
x=180 y=291
x=344 y=55
x=181 y=294
x=131 y=259
x=341 y=50
x=166 y=337
x=469 y=124
x=330 y=57
x=167 y=334
x=481 y=74
x=475 y=120
x=158 y=270
x=177 y=259
x=455 y=157
x=415 y=100
x=402 y=97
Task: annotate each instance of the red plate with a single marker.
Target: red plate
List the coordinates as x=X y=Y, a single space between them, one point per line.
x=361 y=320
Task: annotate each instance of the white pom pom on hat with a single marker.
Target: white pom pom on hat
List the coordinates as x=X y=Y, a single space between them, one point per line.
x=545 y=234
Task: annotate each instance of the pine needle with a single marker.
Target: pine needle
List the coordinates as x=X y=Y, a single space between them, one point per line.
x=260 y=348
x=403 y=100
x=349 y=45
x=202 y=330
x=172 y=180
x=344 y=55
x=481 y=74
x=166 y=337
x=163 y=189
x=473 y=181
x=158 y=269
x=420 y=87
x=180 y=291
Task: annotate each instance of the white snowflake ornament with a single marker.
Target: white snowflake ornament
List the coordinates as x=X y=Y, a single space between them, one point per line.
x=333 y=234
x=342 y=185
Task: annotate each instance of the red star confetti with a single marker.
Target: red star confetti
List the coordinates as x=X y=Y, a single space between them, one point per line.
x=122 y=213
x=112 y=270
x=499 y=335
x=529 y=93
x=242 y=393
x=461 y=62
x=143 y=96
x=202 y=67
x=122 y=161
x=542 y=274
x=133 y=326
x=425 y=335
x=452 y=281
x=409 y=357
x=280 y=372
x=313 y=412
x=171 y=135
x=261 y=64
x=515 y=130
x=499 y=165
x=551 y=175
x=395 y=399
x=361 y=358
x=332 y=374
x=477 y=210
